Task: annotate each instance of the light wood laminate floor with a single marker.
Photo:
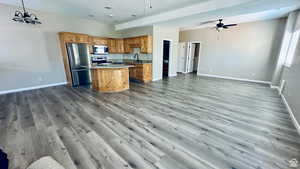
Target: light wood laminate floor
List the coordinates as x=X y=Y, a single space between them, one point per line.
x=187 y=122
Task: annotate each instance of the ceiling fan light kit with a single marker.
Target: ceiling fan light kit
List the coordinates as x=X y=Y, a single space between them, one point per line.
x=26 y=17
x=220 y=26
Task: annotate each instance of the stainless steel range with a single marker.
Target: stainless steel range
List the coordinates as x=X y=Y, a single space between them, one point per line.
x=98 y=59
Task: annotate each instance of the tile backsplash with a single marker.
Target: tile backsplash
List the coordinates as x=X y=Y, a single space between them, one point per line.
x=115 y=57
x=141 y=56
x=120 y=57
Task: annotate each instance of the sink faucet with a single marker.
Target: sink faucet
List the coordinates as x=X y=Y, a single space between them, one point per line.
x=136 y=55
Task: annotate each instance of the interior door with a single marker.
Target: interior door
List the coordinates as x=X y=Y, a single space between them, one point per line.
x=182 y=57
x=190 y=58
x=196 y=58
x=166 y=57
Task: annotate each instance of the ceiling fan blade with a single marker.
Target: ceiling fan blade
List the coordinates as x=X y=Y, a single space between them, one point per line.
x=230 y=25
x=207 y=22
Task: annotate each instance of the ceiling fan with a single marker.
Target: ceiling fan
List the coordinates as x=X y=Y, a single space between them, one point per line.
x=221 y=25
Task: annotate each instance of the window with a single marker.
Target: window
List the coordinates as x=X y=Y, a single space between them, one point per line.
x=292 y=48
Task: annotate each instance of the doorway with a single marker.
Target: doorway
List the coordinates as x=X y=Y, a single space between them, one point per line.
x=189 y=57
x=166 y=57
x=196 y=57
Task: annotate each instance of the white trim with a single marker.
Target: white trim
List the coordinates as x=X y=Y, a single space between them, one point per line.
x=31 y=88
x=281 y=87
x=276 y=87
x=199 y=57
x=233 y=78
x=157 y=79
x=295 y=122
x=195 y=41
x=172 y=75
x=188 y=53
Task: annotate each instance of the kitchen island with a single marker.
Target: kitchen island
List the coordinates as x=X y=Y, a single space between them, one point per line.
x=110 y=78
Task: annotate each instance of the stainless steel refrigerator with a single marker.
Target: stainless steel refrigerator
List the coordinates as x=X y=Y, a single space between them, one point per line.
x=79 y=62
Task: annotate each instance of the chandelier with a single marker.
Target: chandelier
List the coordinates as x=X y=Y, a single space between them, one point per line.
x=26 y=17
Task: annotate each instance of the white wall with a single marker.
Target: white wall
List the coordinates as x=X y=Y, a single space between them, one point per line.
x=286 y=46
x=248 y=51
x=161 y=33
x=291 y=89
x=291 y=77
x=30 y=55
x=147 y=30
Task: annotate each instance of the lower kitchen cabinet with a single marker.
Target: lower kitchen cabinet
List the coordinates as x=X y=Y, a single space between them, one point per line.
x=142 y=72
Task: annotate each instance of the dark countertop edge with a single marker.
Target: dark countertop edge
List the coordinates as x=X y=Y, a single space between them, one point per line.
x=137 y=62
x=111 y=67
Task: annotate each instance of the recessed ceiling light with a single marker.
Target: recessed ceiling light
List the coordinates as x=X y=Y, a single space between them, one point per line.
x=107 y=7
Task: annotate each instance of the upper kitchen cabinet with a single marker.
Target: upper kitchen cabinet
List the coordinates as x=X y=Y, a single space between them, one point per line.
x=98 y=41
x=82 y=38
x=120 y=45
x=115 y=46
x=136 y=42
x=143 y=42
x=127 y=48
x=69 y=37
x=146 y=44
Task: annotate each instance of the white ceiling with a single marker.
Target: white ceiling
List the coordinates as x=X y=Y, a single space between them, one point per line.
x=185 y=14
x=121 y=9
x=216 y=9
x=237 y=19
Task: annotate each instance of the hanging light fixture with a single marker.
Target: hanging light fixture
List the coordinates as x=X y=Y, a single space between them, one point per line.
x=26 y=17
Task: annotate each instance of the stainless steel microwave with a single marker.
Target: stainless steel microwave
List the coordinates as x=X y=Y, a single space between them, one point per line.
x=100 y=50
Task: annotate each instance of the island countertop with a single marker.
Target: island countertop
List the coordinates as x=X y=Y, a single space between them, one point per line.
x=111 y=66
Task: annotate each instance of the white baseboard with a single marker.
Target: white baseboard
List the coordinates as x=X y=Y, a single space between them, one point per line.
x=276 y=87
x=172 y=75
x=157 y=79
x=233 y=78
x=160 y=78
x=31 y=88
x=296 y=124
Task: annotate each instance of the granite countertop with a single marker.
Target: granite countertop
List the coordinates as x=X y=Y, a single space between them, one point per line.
x=111 y=66
x=139 y=62
x=129 y=61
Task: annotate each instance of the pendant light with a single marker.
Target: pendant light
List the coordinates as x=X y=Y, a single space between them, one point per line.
x=26 y=17
x=147 y=4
